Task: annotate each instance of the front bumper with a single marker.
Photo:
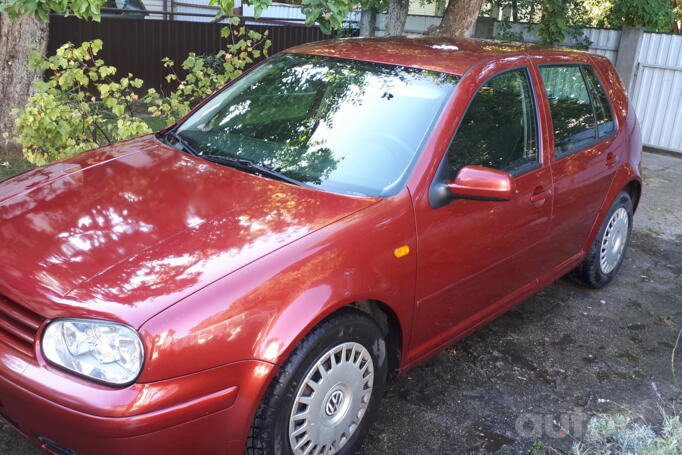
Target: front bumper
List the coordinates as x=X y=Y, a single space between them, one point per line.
x=203 y=413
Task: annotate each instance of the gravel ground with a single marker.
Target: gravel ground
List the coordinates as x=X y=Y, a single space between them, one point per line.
x=529 y=381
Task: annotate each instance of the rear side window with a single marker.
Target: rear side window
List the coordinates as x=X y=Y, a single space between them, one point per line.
x=572 y=113
x=602 y=107
x=499 y=129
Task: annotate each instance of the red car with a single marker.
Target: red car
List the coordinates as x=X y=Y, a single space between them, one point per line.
x=247 y=280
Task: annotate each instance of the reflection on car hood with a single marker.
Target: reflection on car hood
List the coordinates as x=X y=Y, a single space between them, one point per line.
x=127 y=230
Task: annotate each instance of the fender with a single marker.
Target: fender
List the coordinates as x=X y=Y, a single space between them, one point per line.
x=630 y=170
x=262 y=311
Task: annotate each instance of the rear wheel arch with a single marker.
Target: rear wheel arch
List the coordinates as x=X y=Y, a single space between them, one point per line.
x=634 y=189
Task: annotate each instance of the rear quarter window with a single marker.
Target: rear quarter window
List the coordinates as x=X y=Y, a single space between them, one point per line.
x=602 y=105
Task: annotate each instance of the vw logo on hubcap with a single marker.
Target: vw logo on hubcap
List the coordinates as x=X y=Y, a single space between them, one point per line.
x=334 y=403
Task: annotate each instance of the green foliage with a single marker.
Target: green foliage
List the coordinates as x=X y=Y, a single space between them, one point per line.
x=621 y=435
x=521 y=10
x=41 y=9
x=553 y=25
x=379 y=6
x=561 y=18
x=505 y=33
x=328 y=14
x=81 y=106
x=653 y=15
x=206 y=74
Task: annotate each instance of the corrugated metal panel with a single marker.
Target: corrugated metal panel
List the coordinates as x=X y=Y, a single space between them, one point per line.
x=275 y=11
x=658 y=90
x=154 y=40
x=422 y=8
x=154 y=5
x=604 y=42
x=413 y=24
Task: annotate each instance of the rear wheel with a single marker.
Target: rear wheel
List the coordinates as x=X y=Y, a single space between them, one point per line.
x=608 y=250
x=323 y=399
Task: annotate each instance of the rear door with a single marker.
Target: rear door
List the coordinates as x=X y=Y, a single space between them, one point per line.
x=583 y=155
x=475 y=254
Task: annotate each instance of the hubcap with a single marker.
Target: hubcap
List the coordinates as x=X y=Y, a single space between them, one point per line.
x=332 y=400
x=613 y=242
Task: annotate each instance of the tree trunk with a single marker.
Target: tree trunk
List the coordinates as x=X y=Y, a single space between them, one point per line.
x=18 y=38
x=397 y=15
x=459 y=17
x=372 y=22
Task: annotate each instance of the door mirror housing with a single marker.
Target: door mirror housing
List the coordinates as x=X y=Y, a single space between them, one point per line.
x=483 y=184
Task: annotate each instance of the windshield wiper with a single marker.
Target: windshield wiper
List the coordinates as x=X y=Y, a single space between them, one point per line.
x=178 y=140
x=255 y=168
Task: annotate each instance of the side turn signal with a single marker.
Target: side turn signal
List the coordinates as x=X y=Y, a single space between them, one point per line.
x=401 y=251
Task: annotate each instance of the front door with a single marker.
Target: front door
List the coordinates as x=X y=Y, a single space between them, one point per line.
x=472 y=253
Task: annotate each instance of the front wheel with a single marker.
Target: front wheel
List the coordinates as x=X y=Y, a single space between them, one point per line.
x=323 y=399
x=608 y=250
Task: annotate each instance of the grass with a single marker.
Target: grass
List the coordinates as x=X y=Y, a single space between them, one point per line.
x=622 y=435
x=13 y=163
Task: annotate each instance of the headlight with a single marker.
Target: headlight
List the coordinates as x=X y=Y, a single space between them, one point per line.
x=101 y=350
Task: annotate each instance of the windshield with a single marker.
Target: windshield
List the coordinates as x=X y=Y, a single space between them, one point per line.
x=344 y=126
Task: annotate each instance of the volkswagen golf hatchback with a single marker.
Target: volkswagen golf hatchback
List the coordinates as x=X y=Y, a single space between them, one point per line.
x=249 y=278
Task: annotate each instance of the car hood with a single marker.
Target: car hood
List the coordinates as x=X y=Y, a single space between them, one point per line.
x=126 y=230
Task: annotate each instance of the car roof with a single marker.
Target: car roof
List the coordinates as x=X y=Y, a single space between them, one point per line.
x=454 y=56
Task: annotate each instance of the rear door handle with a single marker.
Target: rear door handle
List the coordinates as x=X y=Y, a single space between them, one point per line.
x=611 y=159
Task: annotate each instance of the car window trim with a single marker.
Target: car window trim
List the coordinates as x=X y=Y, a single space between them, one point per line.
x=582 y=146
x=524 y=168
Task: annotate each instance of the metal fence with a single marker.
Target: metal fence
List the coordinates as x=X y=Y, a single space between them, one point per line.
x=603 y=42
x=657 y=94
x=137 y=46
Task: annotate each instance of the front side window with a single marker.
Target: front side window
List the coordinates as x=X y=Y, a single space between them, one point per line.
x=499 y=129
x=569 y=102
x=343 y=126
x=602 y=107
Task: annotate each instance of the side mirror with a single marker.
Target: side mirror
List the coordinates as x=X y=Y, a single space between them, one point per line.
x=482 y=183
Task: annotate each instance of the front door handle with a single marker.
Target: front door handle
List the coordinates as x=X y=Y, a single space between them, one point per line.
x=539 y=195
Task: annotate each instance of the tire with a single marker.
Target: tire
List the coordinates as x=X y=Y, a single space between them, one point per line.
x=353 y=341
x=603 y=261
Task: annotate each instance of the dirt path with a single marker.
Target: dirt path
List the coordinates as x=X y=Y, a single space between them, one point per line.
x=561 y=356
